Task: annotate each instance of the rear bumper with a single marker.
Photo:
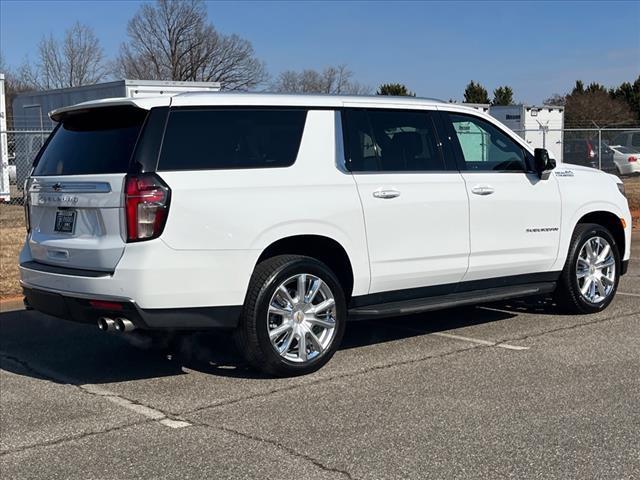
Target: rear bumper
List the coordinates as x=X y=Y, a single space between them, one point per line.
x=77 y=308
x=153 y=275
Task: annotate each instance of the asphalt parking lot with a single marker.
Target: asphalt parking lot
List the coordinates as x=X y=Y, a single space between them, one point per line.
x=505 y=390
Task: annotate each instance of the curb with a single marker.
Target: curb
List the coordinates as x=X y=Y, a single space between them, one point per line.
x=11 y=304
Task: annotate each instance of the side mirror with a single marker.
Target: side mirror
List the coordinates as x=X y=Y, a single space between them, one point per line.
x=543 y=164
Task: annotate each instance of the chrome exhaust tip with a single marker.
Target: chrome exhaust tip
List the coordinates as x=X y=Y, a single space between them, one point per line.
x=124 y=325
x=106 y=324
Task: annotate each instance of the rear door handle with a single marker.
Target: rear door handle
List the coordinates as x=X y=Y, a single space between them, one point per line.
x=386 y=193
x=482 y=190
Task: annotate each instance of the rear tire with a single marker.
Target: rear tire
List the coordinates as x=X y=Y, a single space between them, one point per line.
x=283 y=332
x=591 y=273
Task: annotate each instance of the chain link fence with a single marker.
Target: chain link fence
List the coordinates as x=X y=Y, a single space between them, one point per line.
x=21 y=147
x=614 y=150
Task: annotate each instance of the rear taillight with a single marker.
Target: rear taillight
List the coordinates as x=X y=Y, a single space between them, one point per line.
x=25 y=203
x=147 y=205
x=591 y=152
x=632 y=159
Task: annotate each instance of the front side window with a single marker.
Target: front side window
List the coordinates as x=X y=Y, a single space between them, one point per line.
x=484 y=147
x=211 y=139
x=391 y=141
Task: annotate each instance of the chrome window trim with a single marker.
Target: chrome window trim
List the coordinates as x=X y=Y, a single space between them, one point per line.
x=68 y=187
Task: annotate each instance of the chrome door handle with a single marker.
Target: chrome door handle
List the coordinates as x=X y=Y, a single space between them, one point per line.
x=482 y=190
x=386 y=193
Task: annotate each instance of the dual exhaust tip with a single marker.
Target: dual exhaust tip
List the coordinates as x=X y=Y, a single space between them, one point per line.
x=119 y=324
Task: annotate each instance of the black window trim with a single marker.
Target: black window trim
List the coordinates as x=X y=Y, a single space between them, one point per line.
x=151 y=154
x=36 y=159
x=447 y=159
x=304 y=108
x=459 y=156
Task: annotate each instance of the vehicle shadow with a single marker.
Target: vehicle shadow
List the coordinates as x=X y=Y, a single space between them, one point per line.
x=43 y=347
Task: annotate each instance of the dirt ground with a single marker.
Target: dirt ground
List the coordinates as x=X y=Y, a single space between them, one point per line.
x=12 y=234
x=632 y=190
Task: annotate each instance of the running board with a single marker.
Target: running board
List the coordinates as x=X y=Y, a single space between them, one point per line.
x=408 y=307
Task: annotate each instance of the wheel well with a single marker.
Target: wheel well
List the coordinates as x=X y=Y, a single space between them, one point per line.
x=325 y=249
x=611 y=222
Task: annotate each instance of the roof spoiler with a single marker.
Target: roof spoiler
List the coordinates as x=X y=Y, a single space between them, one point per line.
x=147 y=103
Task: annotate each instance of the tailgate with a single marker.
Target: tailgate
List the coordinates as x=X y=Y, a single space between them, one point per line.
x=77 y=222
x=75 y=194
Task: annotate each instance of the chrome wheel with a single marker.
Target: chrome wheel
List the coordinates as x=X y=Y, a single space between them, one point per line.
x=596 y=270
x=301 y=318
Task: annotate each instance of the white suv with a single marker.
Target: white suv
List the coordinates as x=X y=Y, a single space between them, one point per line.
x=281 y=217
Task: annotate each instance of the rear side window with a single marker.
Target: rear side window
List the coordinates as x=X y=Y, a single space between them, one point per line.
x=392 y=141
x=486 y=148
x=92 y=142
x=209 y=139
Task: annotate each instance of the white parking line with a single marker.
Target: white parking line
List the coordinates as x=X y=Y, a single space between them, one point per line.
x=628 y=294
x=167 y=422
x=97 y=390
x=480 y=341
x=143 y=410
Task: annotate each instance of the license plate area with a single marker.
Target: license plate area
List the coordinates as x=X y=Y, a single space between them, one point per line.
x=65 y=221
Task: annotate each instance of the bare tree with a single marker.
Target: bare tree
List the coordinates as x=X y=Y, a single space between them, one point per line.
x=333 y=80
x=555 y=100
x=172 y=40
x=76 y=60
x=14 y=85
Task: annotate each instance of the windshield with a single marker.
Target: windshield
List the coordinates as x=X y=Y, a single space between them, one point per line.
x=92 y=142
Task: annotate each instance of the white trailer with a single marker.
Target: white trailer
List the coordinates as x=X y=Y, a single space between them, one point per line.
x=481 y=107
x=541 y=127
x=30 y=109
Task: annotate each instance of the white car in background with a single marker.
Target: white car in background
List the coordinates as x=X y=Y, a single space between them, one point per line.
x=627 y=159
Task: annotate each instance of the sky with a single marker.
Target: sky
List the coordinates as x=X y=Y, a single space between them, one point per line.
x=537 y=48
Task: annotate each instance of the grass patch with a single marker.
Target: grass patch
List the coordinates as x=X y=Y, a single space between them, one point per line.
x=12 y=233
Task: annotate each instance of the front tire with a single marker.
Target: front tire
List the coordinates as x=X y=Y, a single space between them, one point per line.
x=591 y=273
x=294 y=316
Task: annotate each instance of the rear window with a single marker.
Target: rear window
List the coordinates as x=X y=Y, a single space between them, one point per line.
x=92 y=142
x=208 y=139
x=626 y=150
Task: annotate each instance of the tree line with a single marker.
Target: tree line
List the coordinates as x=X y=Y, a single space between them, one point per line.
x=591 y=106
x=174 y=40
